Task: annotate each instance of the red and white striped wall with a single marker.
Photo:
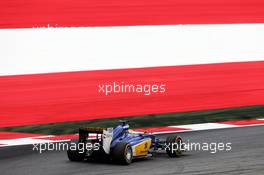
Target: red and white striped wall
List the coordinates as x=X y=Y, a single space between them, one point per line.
x=54 y=54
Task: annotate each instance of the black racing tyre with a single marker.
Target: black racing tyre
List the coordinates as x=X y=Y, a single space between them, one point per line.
x=75 y=154
x=122 y=153
x=174 y=146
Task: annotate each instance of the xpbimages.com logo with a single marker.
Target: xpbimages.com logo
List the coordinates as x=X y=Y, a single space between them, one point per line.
x=117 y=88
x=63 y=146
x=212 y=147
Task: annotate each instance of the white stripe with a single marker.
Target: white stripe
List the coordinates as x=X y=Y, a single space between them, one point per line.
x=34 y=140
x=205 y=126
x=25 y=51
x=23 y=141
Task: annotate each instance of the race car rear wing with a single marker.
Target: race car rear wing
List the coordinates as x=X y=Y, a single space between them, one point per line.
x=84 y=132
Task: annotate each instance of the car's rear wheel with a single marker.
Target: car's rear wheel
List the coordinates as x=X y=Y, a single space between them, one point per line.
x=174 y=146
x=122 y=153
x=75 y=154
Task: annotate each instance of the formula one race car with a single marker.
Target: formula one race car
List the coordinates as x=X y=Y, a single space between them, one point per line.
x=120 y=145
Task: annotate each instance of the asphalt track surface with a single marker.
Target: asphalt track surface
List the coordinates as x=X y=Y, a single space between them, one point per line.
x=246 y=157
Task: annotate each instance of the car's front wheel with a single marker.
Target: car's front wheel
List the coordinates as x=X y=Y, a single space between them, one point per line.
x=174 y=146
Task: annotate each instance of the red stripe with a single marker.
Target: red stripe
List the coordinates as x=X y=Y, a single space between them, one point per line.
x=160 y=129
x=244 y=122
x=40 y=13
x=60 y=137
x=16 y=135
x=64 y=137
x=60 y=97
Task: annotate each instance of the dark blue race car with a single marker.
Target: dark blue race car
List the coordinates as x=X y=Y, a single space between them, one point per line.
x=120 y=144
